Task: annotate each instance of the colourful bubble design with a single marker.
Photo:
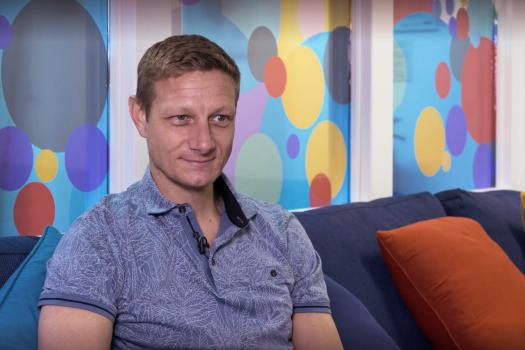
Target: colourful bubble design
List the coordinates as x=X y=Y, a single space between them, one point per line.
x=293 y=118
x=445 y=119
x=53 y=112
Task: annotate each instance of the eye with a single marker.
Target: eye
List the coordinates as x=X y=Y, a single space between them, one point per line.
x=221 y=119
x=180 y=119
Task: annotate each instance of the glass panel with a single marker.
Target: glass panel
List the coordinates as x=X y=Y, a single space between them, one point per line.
x=292 y=132
x=444 y=95
x=53 y=118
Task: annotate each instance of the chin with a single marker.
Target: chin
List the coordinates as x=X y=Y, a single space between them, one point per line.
x=196 y=183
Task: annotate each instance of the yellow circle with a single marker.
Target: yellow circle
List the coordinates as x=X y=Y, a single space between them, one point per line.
x=326 y=153
x=304 y=92
x=429 y=141
x=447 y=162
x=337 y=14
x=464 y=2
x=46 y=165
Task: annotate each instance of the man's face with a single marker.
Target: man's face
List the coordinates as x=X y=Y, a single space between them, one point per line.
x=189 y=129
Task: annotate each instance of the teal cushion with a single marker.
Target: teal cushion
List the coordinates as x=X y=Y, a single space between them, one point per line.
x=19 y=295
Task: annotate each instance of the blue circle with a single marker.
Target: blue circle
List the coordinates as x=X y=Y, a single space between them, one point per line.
x=87 y=158
x=450 y=7
x=16 y=158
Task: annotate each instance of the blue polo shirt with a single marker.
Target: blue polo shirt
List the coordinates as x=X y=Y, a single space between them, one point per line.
x=135 y=259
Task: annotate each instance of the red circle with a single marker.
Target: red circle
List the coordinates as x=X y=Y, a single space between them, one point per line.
x=320 y=191
x=478 y=91
x=275 y=76
x=442 y=80
x=34 y=209
x=462 y=24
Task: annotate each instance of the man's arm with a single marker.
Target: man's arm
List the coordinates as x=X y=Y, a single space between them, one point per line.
x=62 y=327
x=315 y=331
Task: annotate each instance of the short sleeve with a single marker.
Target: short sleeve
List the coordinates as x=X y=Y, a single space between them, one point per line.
x=83 y=272
x=309 y=291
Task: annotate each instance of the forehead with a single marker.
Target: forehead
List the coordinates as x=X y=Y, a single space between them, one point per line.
x=196 y=84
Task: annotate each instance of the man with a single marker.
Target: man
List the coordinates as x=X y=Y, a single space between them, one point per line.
x=179 y=260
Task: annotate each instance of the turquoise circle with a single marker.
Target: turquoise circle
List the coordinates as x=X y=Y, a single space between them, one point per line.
x=400 y=75
x=259 y=169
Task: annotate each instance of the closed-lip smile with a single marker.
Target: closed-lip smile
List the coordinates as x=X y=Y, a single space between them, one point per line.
x=198 y=161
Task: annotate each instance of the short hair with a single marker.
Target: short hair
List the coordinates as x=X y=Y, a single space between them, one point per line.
x=179 y=54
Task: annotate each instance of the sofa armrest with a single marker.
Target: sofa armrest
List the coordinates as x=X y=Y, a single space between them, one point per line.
x=357 y=328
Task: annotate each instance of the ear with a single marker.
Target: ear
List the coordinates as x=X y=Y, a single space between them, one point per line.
x=138 y=115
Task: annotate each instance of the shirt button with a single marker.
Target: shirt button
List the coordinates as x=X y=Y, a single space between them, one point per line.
x=213 y=261
x=273 y=273
x=182 y=209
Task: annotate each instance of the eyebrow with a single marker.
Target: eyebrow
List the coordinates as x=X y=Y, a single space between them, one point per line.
x=173 y=110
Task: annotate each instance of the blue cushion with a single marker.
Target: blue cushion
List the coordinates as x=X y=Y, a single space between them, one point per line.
x=19 y=295
x=345 y=238
x=357 y=328
x=497 y=211
x=13 y=250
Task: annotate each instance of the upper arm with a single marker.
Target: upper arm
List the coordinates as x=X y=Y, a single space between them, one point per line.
x=309 y=290
x=63 y=327
x=84 y=272
x=315 y=331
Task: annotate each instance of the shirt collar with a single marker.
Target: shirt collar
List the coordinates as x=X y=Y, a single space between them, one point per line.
x=157 y=204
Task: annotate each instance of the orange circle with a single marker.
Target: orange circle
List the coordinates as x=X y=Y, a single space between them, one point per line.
x=320 y=191
x=275 y=76
x=34 y=209
x=462 y=24
x=442 y=80
x=478 y=95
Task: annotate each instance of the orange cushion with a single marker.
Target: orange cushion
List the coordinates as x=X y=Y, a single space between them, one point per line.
x=463 y=290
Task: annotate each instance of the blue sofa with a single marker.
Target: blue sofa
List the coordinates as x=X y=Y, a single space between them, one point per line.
x=345 y=238
x=366 y=306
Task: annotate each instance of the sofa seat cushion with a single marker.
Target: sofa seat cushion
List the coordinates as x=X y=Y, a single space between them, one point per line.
x=461 y=287
x=498 y=211
x=345 y=238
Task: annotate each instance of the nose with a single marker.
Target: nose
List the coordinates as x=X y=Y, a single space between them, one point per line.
x=201 y=138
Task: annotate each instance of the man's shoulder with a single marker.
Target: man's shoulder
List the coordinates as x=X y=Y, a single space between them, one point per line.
x=268 y=211
x=112 y=210
x=258 y=204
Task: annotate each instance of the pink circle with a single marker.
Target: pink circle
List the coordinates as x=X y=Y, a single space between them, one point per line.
x=275 y=76
x=478 y=95
x=462 y=24
x=320 y=191
x=442 y=80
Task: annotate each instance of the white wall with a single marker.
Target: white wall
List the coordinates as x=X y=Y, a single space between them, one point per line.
x=510 y=91
x=130 y=35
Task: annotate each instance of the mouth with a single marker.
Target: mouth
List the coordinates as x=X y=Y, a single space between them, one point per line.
x=199 y=162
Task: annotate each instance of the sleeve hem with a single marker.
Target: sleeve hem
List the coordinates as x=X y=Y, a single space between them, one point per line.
x=316 y=308
x=78 y=303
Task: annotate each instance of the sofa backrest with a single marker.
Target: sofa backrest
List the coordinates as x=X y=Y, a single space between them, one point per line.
x=498 y=211
x=13 y=250
x=345 y=238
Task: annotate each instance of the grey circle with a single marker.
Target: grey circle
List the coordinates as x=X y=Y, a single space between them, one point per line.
x=54 y=72
x=337 y=65
x=261 y=47
x=458 y=52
